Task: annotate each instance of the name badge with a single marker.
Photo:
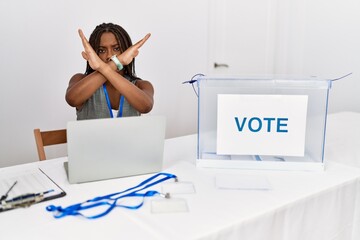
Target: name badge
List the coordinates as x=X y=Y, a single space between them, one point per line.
x=261 y=124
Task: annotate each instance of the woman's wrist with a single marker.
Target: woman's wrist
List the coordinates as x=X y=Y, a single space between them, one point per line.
x=112 y=65
x=117 y=62
x=106 y=67
x=121 y=60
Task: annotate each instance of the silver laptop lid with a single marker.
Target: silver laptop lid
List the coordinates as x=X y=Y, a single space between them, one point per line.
x=114 y=147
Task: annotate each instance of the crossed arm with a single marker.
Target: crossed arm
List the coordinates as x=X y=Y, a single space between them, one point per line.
x=82 y=87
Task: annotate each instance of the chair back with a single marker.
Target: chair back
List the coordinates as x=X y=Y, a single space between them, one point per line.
x=47 y=138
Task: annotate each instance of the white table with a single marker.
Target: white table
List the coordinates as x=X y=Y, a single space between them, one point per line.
x=300 y=205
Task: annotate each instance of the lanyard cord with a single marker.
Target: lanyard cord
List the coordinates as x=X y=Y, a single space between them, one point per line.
x=111 y=199
x=121 y=105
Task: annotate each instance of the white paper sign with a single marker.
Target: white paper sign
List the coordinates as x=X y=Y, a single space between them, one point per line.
x=261 y=124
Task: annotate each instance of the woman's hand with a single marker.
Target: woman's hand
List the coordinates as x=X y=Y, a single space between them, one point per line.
x=95 y=61
x=89 y=53
x=126 y=57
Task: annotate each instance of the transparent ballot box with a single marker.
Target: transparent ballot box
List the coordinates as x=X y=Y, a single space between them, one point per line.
x=262 y=122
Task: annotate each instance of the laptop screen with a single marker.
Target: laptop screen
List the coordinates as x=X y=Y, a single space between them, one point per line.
x=115 y=147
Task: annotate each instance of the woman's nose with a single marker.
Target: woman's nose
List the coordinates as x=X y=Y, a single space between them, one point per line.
x=109 y=55
x=108 y=58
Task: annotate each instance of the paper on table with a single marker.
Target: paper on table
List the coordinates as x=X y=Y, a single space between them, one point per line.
x=243 y=181
x=30 y=181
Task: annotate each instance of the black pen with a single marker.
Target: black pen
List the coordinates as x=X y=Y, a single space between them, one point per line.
x=24 y=200
x=29 y=195
x=4 y=197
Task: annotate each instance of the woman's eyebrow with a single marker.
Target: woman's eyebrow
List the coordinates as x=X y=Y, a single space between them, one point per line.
x=115 y=45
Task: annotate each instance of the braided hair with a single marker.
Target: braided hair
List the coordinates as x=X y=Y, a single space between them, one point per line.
x=122 y=38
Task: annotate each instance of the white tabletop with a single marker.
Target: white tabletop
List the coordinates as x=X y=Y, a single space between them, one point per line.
x=299 y=205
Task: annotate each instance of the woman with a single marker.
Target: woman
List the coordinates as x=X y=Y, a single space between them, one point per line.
x=109 y=87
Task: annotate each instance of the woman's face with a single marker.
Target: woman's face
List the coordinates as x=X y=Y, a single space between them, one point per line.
x=108 y=46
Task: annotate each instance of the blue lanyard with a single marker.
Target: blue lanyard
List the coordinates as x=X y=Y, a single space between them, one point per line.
x=110 y=201
x=121 y=105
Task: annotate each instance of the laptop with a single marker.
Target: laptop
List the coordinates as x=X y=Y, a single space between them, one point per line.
x=114 y=147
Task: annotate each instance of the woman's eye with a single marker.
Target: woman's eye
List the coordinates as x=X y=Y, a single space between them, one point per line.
x=117 y=49
x=100 y=51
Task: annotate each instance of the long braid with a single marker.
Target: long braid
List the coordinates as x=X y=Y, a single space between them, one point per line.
x=123 y=39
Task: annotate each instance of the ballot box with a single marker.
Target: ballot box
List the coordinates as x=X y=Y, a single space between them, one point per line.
x=267 y=122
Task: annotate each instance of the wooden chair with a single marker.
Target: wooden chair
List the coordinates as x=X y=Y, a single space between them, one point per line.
x=47 y=138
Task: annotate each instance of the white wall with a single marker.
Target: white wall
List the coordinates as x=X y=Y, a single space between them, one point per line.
x=322 y=38
x=297 y=37
x=40 y=51
x=332 y=47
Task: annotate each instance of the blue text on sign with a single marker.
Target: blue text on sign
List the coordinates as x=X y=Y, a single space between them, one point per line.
x=256 y=124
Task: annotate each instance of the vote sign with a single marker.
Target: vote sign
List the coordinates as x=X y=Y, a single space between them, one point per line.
x=261 y=124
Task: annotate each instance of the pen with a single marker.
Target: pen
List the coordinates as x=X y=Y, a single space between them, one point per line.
x=24 y=200
x=4 y=197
